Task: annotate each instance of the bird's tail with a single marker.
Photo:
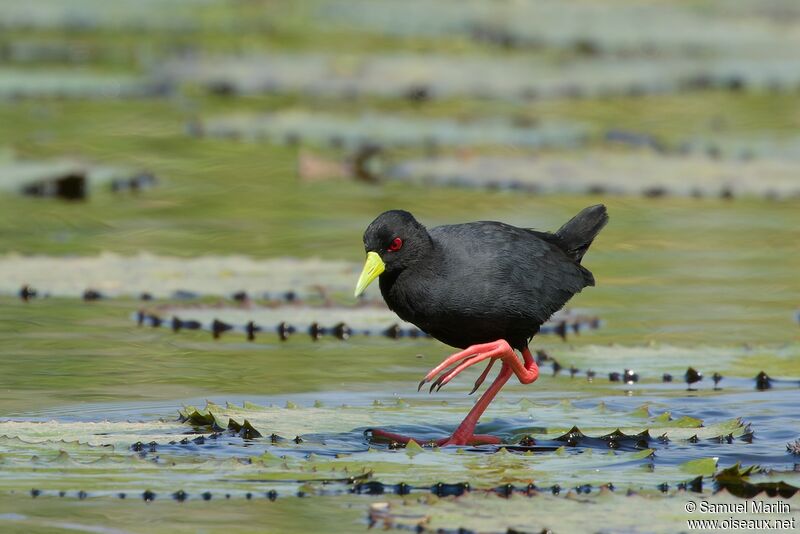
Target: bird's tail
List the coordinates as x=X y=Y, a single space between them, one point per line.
x=579 y=232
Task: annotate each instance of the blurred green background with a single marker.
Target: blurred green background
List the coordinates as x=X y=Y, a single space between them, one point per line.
x=683 y=117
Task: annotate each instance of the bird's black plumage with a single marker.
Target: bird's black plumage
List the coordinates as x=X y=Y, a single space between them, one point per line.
x=482 y=281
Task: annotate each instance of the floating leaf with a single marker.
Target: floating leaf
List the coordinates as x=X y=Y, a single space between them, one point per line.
x=700 y=466
x=391 y=130
x=736 y=481
x=413 y=448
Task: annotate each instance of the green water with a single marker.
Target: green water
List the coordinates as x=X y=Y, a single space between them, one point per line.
x=706 y=283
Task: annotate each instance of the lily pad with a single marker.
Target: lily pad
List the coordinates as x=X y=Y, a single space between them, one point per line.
x=616 y=173
x=164 y=276
x=442 y=75
x=389 y=130
x=607 y=510
x=737 y=481
x=70 y=83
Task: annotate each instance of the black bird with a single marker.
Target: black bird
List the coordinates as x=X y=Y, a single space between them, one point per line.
x=486 y=287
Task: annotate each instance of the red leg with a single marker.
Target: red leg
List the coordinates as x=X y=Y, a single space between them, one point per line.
x=464 y=434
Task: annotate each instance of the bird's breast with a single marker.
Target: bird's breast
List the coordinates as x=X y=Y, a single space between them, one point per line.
x=404 y=299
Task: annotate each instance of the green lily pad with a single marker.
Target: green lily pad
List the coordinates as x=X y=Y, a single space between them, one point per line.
x=604 y=511
x=700 y=466
x=737 y=481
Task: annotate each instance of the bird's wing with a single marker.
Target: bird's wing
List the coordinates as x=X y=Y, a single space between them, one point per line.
x=497 y=270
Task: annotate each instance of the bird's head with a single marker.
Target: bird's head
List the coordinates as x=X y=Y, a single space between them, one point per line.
x=393 y=241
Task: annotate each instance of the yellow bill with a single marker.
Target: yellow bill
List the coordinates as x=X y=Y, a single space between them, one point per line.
x=373 y=268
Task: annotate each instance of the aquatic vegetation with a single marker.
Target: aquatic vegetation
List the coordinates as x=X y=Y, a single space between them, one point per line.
x=293 y=127
x=255 y=449
x=82 y=15
x=443 y=76
x=736 y=481
x=582 y=28
x=71 y=83
x=608 y=510
x=603 y=172
x=174 y=359
x=62 y=179
x=661 y=440
x=114 y=275
x=341 y=322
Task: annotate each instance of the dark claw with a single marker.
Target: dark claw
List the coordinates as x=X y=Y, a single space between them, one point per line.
x=437 y=383
x=483 y=376
x=421 y=383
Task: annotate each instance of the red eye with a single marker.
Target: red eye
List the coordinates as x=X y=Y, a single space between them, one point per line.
x=396 y=245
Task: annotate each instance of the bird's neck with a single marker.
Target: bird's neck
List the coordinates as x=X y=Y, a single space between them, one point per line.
x=404 y=288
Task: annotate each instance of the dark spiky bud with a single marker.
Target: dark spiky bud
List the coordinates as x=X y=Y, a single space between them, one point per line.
x=218 y=327
x=692 y=376
x=251 y=330
x=26 y=293
x=393 y=332
x=283 y=331
x=315 y=331
x=342 y=331
x=91 y=294
x=763 y=381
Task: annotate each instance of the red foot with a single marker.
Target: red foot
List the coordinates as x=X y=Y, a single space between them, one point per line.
x=465 y=433
x=477 y=353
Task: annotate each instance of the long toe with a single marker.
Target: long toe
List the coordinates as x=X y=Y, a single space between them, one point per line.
x=447 y=377
x=483 y=376
x=469 y=352
x=474 y=440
